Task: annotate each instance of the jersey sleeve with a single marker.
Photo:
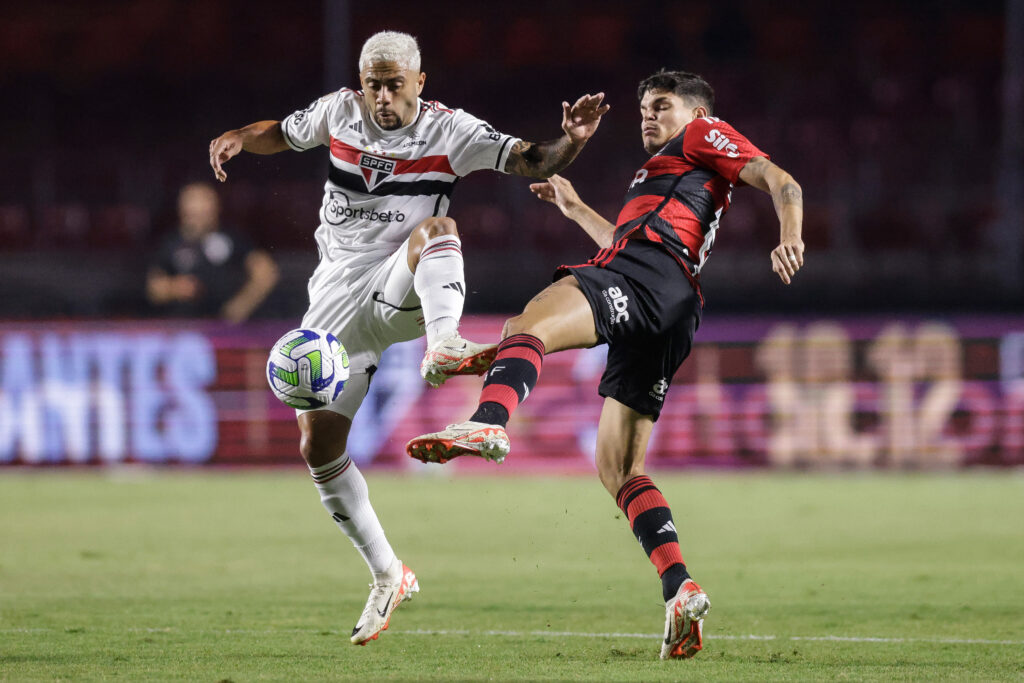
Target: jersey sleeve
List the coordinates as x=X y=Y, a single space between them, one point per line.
x=309 y=127
x=712 y=143
x=474 y=145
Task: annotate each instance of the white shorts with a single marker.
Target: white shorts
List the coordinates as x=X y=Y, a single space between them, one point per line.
x=368 y=307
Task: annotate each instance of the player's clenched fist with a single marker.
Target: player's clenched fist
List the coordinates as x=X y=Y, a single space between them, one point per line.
x=223 y=148
x=787 y=258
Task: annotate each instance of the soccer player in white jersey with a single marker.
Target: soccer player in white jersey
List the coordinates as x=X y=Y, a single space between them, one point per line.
x=390 y=261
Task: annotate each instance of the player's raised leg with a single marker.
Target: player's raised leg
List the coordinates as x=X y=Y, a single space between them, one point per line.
x=435 y=258
x=558 y=318
x=344 y=494
x=622 y=436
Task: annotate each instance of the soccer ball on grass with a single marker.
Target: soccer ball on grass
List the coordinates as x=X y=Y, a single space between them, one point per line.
x=307 y=368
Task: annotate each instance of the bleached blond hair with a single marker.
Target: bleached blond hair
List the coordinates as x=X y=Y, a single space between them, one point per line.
x=391 y=46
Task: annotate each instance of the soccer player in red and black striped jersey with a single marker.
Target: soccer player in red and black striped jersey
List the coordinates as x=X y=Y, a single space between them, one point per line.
x=641 y=295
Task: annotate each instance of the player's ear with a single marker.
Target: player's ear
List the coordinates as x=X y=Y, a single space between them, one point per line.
x=700 y=112
x=419 y=83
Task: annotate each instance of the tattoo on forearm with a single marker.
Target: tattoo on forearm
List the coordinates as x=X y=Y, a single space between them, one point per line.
x=757 y=164
x=540 y=160
x=791 y=194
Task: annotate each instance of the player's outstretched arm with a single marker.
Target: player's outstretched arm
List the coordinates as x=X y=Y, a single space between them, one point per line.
x=561 y=193
x=788 y=257
x=544 y=159
x=262 y=137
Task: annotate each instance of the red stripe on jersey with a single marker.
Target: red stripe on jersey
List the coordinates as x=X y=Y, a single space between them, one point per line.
x=685 y=224
x=638 y=207
x=345 y=152
x=434 y=105
x=661 y=165
x=430 y=164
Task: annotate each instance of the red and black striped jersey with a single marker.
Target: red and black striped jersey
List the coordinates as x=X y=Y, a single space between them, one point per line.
x=679 y=196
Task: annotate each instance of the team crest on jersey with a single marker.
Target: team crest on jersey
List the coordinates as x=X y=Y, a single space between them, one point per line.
x=375 y=170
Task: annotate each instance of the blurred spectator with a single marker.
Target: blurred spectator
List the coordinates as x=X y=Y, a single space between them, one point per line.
x=205 y=271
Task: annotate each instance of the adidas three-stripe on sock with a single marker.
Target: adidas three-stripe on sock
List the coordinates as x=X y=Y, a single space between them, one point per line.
x=440 y=283
x=344 y=493
x=651 y=520
x=511 y=378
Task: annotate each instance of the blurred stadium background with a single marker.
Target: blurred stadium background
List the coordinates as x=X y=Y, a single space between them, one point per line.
x=899 y=347
x=901 y=343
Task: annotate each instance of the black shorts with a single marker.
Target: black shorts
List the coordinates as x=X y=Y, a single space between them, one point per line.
x=646 y=310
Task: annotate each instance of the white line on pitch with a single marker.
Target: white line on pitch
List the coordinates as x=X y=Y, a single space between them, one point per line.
x=711 y=636
x=553 y=634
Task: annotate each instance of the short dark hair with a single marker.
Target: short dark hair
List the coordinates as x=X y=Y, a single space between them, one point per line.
x=682 y=83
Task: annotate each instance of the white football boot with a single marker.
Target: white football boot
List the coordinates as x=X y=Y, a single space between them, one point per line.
x=455 y=356
x=684 y=621
x=466 y=438
x=385 y=597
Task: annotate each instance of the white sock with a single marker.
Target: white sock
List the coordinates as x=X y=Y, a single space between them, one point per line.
x=344 y=493
x=440 y=283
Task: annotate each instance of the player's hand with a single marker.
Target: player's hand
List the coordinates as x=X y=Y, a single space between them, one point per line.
x=223 y=148
x=559 y=192
x=787 y=258
x=580 y=120
x=185 y=287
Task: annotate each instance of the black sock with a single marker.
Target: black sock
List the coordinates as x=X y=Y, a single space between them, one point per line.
x=510 y=378
x=672 y=579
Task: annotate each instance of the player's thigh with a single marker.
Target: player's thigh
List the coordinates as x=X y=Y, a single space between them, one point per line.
x=560 y=316
x=395 y=307
x=622 y=437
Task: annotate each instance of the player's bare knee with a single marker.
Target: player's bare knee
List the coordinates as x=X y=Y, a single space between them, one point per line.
x=521 y=324
x=436 y=227
x=426 y=231
x=319 y=446
x=512 y=326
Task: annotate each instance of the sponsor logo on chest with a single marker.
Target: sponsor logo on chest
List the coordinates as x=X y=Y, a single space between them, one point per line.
x=375 y=170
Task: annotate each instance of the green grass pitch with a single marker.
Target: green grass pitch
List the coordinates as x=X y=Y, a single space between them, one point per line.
x=241 y=576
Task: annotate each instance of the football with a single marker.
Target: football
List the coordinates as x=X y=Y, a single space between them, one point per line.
x=307 y=368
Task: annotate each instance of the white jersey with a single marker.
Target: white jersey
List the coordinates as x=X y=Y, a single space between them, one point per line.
x=383 y=183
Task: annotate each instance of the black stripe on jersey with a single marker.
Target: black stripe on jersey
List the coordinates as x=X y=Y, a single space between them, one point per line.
x=670 y=238
x=287 y=138
x=693 y=195
x=500 y=152
x=674 y=147
x=628 y=227
x=355 y=183
x=437 y=204
x=658 y=185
